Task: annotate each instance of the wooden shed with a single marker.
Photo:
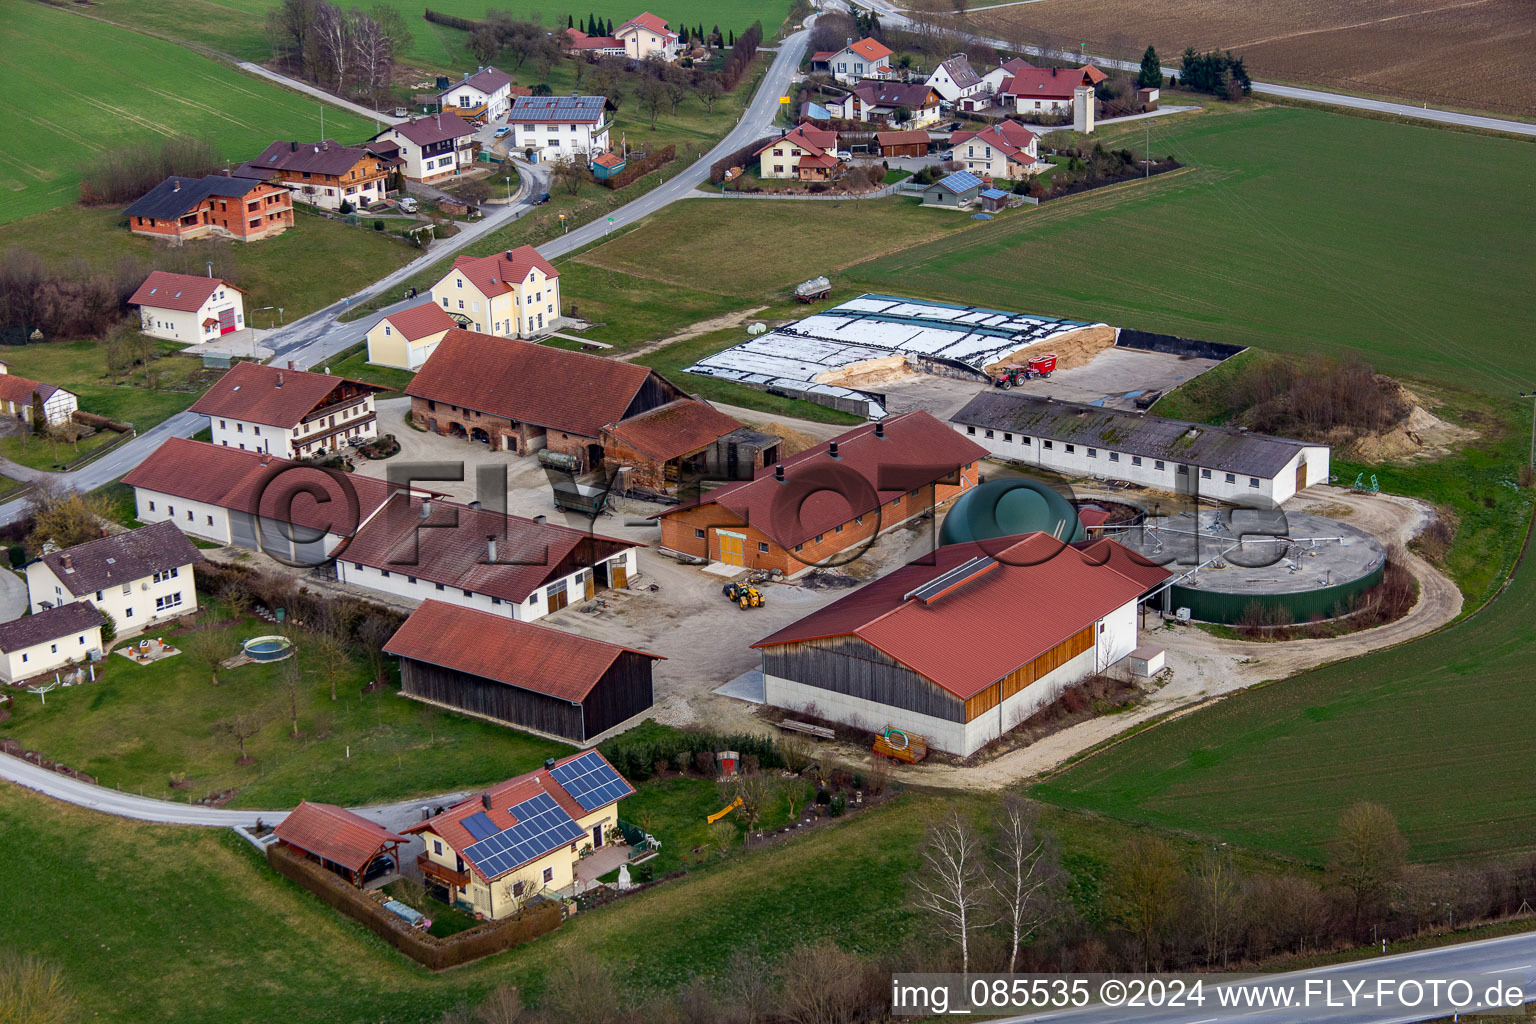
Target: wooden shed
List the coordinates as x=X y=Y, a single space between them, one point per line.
x=348 y=844
x=519 y=674
x=907 y=143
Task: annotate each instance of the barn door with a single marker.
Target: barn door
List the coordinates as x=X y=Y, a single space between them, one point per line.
x=1301 y=474
x=557 y=597
x=589 y=586
x=618 y=573
x=732 y=547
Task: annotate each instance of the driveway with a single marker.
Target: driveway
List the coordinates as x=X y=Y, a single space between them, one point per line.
x=13 y=595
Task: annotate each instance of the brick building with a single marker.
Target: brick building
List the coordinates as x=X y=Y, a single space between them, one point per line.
x=240 y=208
x=828 y=501
x=686 y=439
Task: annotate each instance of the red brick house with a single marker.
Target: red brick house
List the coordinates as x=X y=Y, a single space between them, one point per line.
x=828 y=501
x=240 y=208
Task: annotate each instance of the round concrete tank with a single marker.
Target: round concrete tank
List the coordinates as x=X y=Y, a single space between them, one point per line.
x=1008 y=507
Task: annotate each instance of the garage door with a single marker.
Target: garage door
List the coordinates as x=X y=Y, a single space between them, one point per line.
x=557 y=596
x=732 y=547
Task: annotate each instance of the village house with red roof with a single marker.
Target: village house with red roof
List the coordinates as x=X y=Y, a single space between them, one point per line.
x=511 y=294
x=866 y=58
x=289 y=413
x=188 y=308
x=1006 y=149
x=806 y=154
x=1037 y=91
x=963 y=645
x=406 y=339
x=646 y=35
x=429 y=148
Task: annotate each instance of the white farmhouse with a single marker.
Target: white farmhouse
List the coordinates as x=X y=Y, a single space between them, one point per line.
x=139 y=578
x=288 y=413
x=560 y=127
x=513 y=294
x=34 y=645
x=867 y=58
x=1253 y=470
x=955 y=79
x=1004 y=150
x=187 y=308
x=485 y=94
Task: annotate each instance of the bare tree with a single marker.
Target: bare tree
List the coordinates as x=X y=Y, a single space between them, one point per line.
x=1368 y=855
x=64 y=516
x=241 y=726
x=502 y=1005
x=206 y=647
x=1024 y=872
x=333 y=29
x=756 y=790
x=334 y=658
x=484 y=44
x=653 y=97
x=951 y=885
x=675 y=82
x=748 y=990
x=291 y=678
x=546 y=54
x=372 y=634
x=710 y=91
x=237 y=595
x=1144 y=893
x=568 y=174
x=32 y=991
x=373 y=53
x=583 y=991
x=1218 y=902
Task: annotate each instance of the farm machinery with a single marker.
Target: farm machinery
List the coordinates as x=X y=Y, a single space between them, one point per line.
x=1041 y=366
x=743 y=595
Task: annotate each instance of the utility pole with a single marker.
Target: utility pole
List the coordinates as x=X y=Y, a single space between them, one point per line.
x=1532 y=396
x=1149 y=150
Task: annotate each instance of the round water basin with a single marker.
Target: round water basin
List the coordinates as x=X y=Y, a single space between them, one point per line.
x=268 y=648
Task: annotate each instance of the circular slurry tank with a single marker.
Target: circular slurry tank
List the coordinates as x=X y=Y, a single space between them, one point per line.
x=268 y=648
x=1008 y=507
x=1231 y=559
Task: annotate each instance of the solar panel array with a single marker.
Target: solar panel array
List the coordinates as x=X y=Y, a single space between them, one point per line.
x=480 y=826
x=590 y=781
x=542 y=826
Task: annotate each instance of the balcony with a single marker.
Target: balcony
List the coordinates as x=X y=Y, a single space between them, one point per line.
x=447 y=876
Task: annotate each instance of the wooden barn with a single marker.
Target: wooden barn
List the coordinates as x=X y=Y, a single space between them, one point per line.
x=530 y=677
x=913 y=142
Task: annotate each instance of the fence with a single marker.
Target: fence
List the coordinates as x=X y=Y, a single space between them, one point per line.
x=879 y=193
x=430 y=951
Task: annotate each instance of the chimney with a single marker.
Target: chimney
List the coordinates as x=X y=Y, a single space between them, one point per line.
x=325 y=145
x=1053 y=72
x=849 y=40
x=832 y=449
x=778 y=471
x=291 y=366
x=69 y=561
x=880 y=429
x=485 y=800
x=175 y=186
x=509 y=254
x=490 y=549
x=266 y=459
x=293 y=147
x=549 y=762
x=279 y=378
x=540 y=520
x=426 y=508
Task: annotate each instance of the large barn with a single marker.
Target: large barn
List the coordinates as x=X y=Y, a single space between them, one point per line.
x=531 y=677
x=963 y=645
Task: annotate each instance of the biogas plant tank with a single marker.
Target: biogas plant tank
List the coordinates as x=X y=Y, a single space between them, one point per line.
x=1006 y=508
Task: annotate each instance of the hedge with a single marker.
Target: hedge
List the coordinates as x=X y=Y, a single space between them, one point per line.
x=740 y=158
x=635 y=757
x=634 y=171
x=433 y=953
x=451 y=20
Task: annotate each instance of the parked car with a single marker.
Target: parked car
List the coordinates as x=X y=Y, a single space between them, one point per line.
x=408 y=205
x=844 y=155
x=503 y=130
x=541 y=199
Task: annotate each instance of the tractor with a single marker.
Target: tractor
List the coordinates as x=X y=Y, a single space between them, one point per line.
x=1039 y=366
x=744 y=595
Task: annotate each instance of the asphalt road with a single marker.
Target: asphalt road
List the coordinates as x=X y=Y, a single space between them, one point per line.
x=891 y=14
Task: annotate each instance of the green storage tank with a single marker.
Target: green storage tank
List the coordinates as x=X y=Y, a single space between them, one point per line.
x=1008 y=507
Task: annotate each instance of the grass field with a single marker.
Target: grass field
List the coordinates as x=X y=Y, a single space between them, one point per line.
x=1397 y=48
x=142 y=724
x=81 y=367
x=69 y=103
x=235 y=26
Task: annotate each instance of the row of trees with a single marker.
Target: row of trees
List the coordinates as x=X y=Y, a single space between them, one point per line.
x=345 y=48
x=511 y=42
x=1217 y=73
x=123 y=175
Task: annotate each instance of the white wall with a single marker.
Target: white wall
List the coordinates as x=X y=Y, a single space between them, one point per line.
x=49 y=655
x=865 y=714
x=132 y=606
x=181 y=325
x=192 y=517
x=553 y=140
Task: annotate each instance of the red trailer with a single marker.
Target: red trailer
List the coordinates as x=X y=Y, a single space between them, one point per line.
x=1039 y=366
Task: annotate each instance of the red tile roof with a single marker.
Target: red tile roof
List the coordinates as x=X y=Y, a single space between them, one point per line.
x=916 y=450
x=609 y=159
x=450 y=547
x=257 y=393
x=1009 y=137
x=912 y=137
x=420 y=321
x=186 y=292
x=815 y=141
x=548 y=387
x=521 y=654
x=1042 y=593
x=647 y=21
x=680 y=427
x=581 y=41
x=870 y=49
x=503 y=797
x=822 y=56
x=335 y=834
x=1050 y=83
x=19 y=389
x=490 y=274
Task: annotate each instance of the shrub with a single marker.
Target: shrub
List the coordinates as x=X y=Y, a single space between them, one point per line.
x=704 y=762
x=823 y=797
x=378 y=225
x=346 y=207
x=108 y=628
x=837 y=807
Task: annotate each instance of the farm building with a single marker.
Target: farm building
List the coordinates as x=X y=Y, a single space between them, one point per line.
x=522 y=838
x=140 y=578
x=185 y=307
x=244 y=209
x=361 y=851
x=681 y=442
x=965 y=644
x=828 y=501
x=49 y=640
x=1167 y=455
x=405 y=339
x=908 y=143
x=953 y=191
x=291 y=413
x=324 y=174
x=19 y=395
x=517 y=397
x=527 y=676
x=511 y=294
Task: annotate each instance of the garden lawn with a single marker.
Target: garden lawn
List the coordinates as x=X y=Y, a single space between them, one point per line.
x=81 y=367
x=353 y=363
x=77 y=86
x=139 y=726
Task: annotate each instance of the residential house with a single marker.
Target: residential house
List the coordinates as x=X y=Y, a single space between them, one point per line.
x=430 y=148
x=361 y=851
x=913 y=142
x=48 y=641
x=518 y=397
x=682 y=443
x=807 y=154
x=1046 y=91
x=324 y=174
x=955 y=79
x=139 y=578
x=964 y=644
x=953 y=191
x=897 y=104
x=515 y=673
x=645 y=36
x=485 y=95
x=1006 y=149
x=513 y=294
x=1236 y=466
x=867 y=58
x=560 y=127
x=189 y=308
x=217 y=205
x=593 y=46
x=827 y=503
x=289 y=413
x=19 y=395
x=993 y=80
x=405 y=339
x=496 y=850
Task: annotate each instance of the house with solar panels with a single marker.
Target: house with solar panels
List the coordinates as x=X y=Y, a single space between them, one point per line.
x=955 y=191
x=523 y=838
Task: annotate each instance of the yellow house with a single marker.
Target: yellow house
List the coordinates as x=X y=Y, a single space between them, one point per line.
x=523 y=838
x=405 y=339
x=646 y=35
x=48 y=641
x=513 y=294
x=140 y=578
